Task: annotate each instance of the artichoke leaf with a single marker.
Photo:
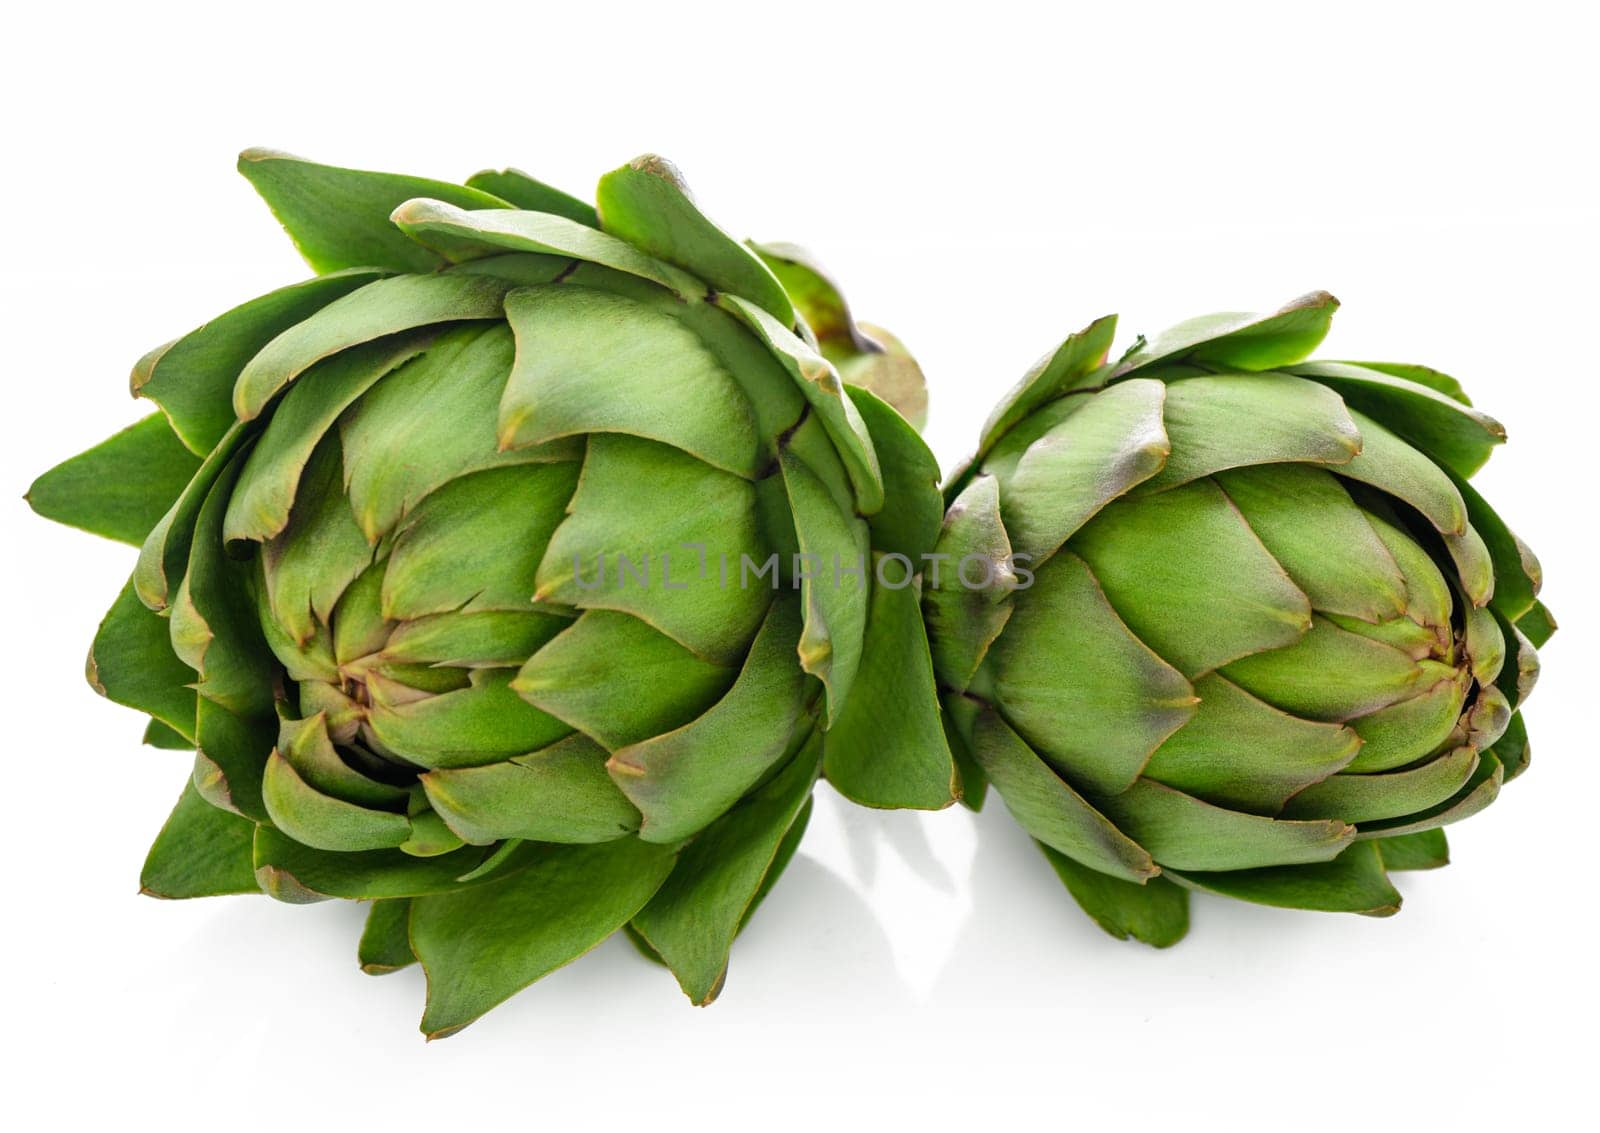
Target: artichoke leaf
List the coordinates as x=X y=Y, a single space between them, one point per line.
x=824 y=392
x=588 y=361
x=213 y=621
x=1331 y=674
x=1488 y=718
x=299 y=874
x=559 y=794
x=964 y=621
x=1047 y=807
x=1322 y=539
x=1484 y=643
x=1155 y=912
x=300 y=425
x=200 y=852
x=486 y=639
x=231 y=754
x=614 y=677
x=306 y=661
x=386 y=307
x=481 y=946
x=693 y=918
x=1396 y=468
x=1068 y=367
x=521 y=191
x=1389 y=464
x=1517 y=573
x=132 y=663
x=339 y=218
x=807 y=439
x=385 y=940
x=1474 y=568
x=817 y=298
x=309 y=749
x=475 y=544
x=1124 y=700
x=971 y=783
x=1353 y=882
x=887 y=747
x=868 y=358
x=1430 y=599
x=1420 y=375
x=1511 y=749
x=1446 y=428
x=1189 y=577
x=1114 y=443
x=772 y=394
x=511 y=854
x=1291 y=420
x=1185 y=833
x=792 y=838
x=1390 y=794
x=308 y=567
x=460 y=235
x=157 y=734
x=439 y=412
x=1240 y=752
x=682 y=780
x=192 y=378
x=1239 y=341
x=1538 y=624
x=655 y=533
x=1481 y=789
x=430 y=836
x=1409 y=729
x=909 y=522
x=325 y=822
x=648 y=204
x=120 y=488
x=484 y=723
x=1426 y=849
x=834 y=588
x=165 y=551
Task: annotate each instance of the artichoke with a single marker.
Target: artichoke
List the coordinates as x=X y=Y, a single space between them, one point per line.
x=509 y=573
x=1215 y=617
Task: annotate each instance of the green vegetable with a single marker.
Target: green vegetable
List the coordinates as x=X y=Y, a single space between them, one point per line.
x=1243 y=626
x=445 y=575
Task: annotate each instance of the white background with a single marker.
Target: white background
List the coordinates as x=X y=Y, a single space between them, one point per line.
x=986 y=178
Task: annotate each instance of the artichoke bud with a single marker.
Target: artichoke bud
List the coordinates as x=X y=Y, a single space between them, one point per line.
x=1270 y=632
x=506 y=573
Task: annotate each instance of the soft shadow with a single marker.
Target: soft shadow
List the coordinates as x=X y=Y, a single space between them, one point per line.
x=813 y=950
x=871 y=833
x=288 y=975
x=1030 y=947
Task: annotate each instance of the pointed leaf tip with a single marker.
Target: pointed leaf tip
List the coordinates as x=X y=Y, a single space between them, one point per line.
x=521 y=191
x=339 y=218
x=1311 y=300
x=120 y=488
x=648 y=204
x=252 y=154
x=1240 y=341
x=658 y=166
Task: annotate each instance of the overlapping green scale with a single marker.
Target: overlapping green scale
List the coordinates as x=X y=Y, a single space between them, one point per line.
x=1269 y=628
x=446 y=574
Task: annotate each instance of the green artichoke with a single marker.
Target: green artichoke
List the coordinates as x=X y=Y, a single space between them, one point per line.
x=1217 y=617
x=509 y=573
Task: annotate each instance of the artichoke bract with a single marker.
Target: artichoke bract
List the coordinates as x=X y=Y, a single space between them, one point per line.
x=516 y=574
x=1232 y=620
